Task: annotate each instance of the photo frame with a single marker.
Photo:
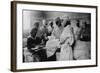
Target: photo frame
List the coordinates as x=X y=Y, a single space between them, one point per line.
x=25 y=14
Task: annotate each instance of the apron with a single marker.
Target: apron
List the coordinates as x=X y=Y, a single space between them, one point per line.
x=51 y=46
x=66 y=53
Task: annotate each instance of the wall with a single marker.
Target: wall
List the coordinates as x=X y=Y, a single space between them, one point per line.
x=5 y=37
x=32 y=16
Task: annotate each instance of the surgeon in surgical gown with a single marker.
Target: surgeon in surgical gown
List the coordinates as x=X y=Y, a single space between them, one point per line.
x=66 y=41
x=81 y=48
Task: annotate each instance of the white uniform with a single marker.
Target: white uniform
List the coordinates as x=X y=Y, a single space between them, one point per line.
x=81 y=48
x=51 y=46
x=77 y=32
x=57 y=31
x=67 y=40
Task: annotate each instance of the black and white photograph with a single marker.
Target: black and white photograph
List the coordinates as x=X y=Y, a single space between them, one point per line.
x=53 y=36
x=56 y=36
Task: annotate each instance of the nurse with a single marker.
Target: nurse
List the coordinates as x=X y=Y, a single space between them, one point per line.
x=66 y=41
